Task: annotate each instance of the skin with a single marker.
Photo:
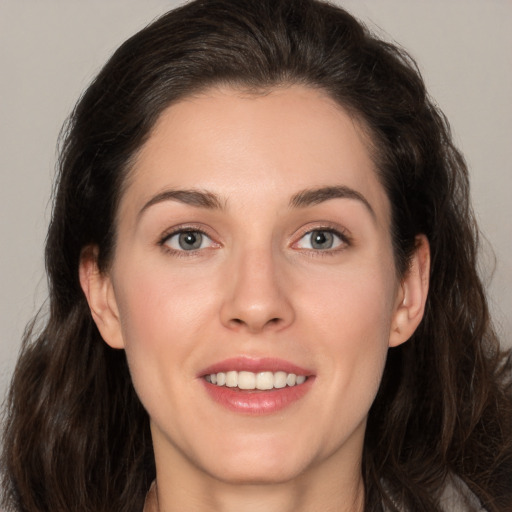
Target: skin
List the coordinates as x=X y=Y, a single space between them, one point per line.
x=256 y=288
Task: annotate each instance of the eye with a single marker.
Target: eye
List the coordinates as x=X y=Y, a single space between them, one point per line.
x=188 y=240
x=321 y=240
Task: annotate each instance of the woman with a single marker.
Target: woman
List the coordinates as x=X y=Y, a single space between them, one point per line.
x=263 y=286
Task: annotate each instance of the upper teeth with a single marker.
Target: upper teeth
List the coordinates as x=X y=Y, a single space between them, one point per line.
x=250 y=380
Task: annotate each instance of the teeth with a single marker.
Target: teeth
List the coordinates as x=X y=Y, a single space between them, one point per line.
x=264 y=380
x=231 y=379
x=280 y=380
x=249 y=380
x=291 y=379
x=221 y=379
x=246 y=380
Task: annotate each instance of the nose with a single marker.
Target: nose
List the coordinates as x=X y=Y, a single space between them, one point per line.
x=256 y=297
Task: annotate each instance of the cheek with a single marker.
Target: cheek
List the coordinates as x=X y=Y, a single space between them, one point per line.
x=163 y=315
x=354 y=305
x=350 y=316
x=158 y=303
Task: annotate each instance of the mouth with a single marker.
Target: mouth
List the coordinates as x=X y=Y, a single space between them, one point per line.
x=256 y=386
x=262 y=381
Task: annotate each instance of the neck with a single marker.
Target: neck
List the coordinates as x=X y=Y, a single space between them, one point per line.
x=322 y=488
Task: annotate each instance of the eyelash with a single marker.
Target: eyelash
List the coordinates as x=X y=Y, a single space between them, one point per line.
x=342 y=235
x=162 y=242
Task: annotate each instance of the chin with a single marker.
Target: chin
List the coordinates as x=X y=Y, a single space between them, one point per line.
x=258 y=466
x=257 y=474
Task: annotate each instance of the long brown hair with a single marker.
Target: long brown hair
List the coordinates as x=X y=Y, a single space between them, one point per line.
x=75 y=434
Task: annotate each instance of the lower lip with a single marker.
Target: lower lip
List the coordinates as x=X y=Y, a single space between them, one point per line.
x=257 y=402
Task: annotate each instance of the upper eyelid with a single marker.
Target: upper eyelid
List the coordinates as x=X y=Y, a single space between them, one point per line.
x=343 y=237
x=180 y=231
x=184 y=228
x=341 y=231
x=163 y=241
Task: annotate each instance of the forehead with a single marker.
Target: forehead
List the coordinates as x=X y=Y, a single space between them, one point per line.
x=260 y=145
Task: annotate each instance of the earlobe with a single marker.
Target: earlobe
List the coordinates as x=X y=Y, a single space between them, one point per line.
x=99 y=292
x=413 y=295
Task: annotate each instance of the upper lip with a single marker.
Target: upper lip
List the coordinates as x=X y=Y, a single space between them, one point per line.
x=255 y=365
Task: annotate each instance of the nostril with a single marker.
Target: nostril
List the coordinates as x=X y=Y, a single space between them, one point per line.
x=255 y=325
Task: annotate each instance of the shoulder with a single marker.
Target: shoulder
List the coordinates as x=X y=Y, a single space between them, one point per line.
x=454 y=496
x=457 y=497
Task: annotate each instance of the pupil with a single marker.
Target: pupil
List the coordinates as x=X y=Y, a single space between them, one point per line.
x=189 y=241
x=321 y=240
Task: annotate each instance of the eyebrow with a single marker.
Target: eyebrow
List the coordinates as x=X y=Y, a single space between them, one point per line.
x=302 y=199
x=199 y=198
x=310 y=197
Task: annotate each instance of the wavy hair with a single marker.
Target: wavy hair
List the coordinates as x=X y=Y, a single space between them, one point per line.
x=75 y=434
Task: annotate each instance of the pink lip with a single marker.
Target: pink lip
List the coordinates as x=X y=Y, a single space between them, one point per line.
x=255 y=365
x=255 y=402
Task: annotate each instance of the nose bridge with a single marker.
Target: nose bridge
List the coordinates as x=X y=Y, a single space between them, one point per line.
x=256 y=298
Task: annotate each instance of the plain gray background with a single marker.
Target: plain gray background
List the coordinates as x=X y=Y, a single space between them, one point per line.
x=51 y=49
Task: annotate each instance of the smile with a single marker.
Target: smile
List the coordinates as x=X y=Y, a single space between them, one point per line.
x=262 y=381
x=256 y=386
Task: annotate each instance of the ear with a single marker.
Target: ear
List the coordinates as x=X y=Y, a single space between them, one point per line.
x=99 y=291
x=412 y=295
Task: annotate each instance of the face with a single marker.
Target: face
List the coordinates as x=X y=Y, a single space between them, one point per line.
x=253 y=285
